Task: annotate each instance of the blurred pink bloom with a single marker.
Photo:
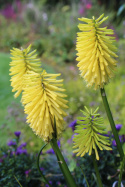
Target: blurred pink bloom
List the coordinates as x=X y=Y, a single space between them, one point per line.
x=72 y=68
x=19 y=5
x=8 y=12
x=11 y=12
x=27 y=172
x=1 y=160
x=88 y=6
x=81 y=10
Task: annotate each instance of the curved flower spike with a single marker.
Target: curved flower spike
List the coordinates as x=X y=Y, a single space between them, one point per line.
x=43 y=101
x=96 y=52
x=90 y=135
x=22 y=61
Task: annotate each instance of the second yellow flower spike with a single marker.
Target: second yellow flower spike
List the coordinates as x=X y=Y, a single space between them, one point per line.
x=96 y=52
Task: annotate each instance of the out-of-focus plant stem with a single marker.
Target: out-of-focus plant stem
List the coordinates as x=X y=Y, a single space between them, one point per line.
x=97 y=171
x=63 y=166
x=45 y=179
x=109 y=114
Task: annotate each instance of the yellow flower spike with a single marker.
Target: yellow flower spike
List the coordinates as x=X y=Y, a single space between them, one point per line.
x=96 y=52
x=90 y=134
x=22 y=61
x=43 y=99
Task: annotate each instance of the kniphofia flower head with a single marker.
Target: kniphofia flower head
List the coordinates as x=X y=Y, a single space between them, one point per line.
x=43 y=100
x=22 y=62
x=90 y=134
x=96 y=51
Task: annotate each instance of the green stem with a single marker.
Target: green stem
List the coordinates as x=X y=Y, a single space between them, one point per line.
x=45 y=180
x=109 y=114
x=63 y=166
x=60 y=165
x=84 y=176
x=121 y=172
x=97 y=171
x=18 y=181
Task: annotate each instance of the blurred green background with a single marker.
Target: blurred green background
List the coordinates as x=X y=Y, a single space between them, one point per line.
x=51 y=27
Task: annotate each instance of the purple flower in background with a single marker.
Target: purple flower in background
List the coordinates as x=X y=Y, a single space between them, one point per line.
x=69 y=141
x=12 y=153
x=24 y=151
x=1 y=160
x=41 y=153
x=23 y=145
x=4 y=156
x=108 y=134
x=123 y=138
x=73 y=136
x=50 y=182
x=11 y=143
x=27 y=172
x=73 y=124
x=42 y=169
x=59 y=183
x=59 y=144
x=120 y=138
x=81 y=10
x=118 y=127
x=20 y=151
x=114 y=143
x=19 y=5
x=104 y=135
x=51 y=151
x=92 y=103
x=8 y=12
x=17 y=133
x=11 y=12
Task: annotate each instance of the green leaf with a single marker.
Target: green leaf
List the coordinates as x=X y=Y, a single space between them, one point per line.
x=72 y=165
x=18 y=181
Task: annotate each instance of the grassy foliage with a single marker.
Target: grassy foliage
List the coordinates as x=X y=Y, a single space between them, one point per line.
x=6 y=95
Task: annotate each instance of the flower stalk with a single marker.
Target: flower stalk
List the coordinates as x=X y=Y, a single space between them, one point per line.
x=45 y=180
x=97 y=171
x=63 y=166
x=121 y=171
x=109 y=114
